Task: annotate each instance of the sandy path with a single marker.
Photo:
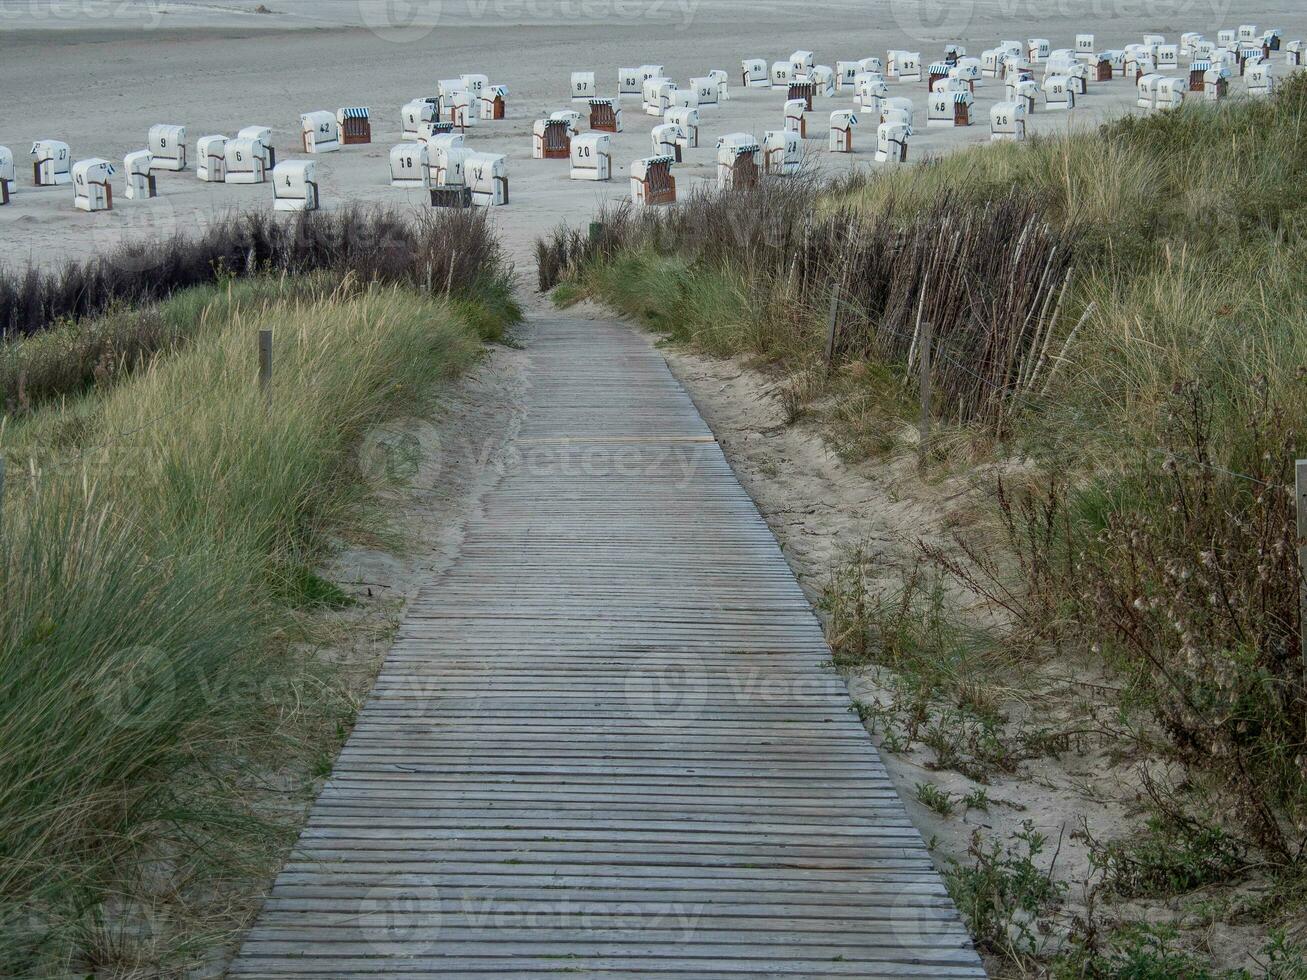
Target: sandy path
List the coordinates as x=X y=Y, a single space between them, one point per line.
x=98 y=73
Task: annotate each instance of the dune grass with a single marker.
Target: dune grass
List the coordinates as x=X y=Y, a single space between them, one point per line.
x=450 y=251
x=1160 y=530
x=155 y=553
x=1191 y=232
x=90 y=322
x=1187 y=230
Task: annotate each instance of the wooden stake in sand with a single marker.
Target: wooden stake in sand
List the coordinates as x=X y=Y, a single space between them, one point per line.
x=923 y=375
x=265 y=365
x=832 y=321
x=1300 y=499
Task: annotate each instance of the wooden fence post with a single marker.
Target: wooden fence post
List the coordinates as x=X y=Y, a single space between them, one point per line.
x=1300 y=500
x=832 y=324
x=265 y=364
x=923 y=383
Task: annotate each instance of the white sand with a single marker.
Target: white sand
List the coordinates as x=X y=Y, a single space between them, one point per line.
x=98 y=73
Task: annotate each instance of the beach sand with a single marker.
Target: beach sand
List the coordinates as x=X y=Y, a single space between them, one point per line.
x=98 y=73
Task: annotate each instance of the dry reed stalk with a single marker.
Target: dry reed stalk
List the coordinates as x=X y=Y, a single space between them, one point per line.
x=1066 y=346
x=989 y=278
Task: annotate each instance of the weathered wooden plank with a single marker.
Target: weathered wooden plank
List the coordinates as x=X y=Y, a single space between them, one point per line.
x=607 y=909
x=607 y=741
x=636 y=882
x=771 y=964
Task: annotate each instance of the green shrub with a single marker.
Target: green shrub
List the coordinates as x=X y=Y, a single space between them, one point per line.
x=1002 y=892
x=1169 y=857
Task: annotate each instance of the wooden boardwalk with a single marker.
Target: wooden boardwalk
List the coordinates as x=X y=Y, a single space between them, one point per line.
x=608 y=742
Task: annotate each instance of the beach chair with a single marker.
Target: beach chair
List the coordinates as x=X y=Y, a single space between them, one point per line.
x=295 y=186
x=167 y=146
x=92 y=184
x=140 y=183
x=737 y=161
x=319 y=132
x=652 y=183
x=591 y=157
